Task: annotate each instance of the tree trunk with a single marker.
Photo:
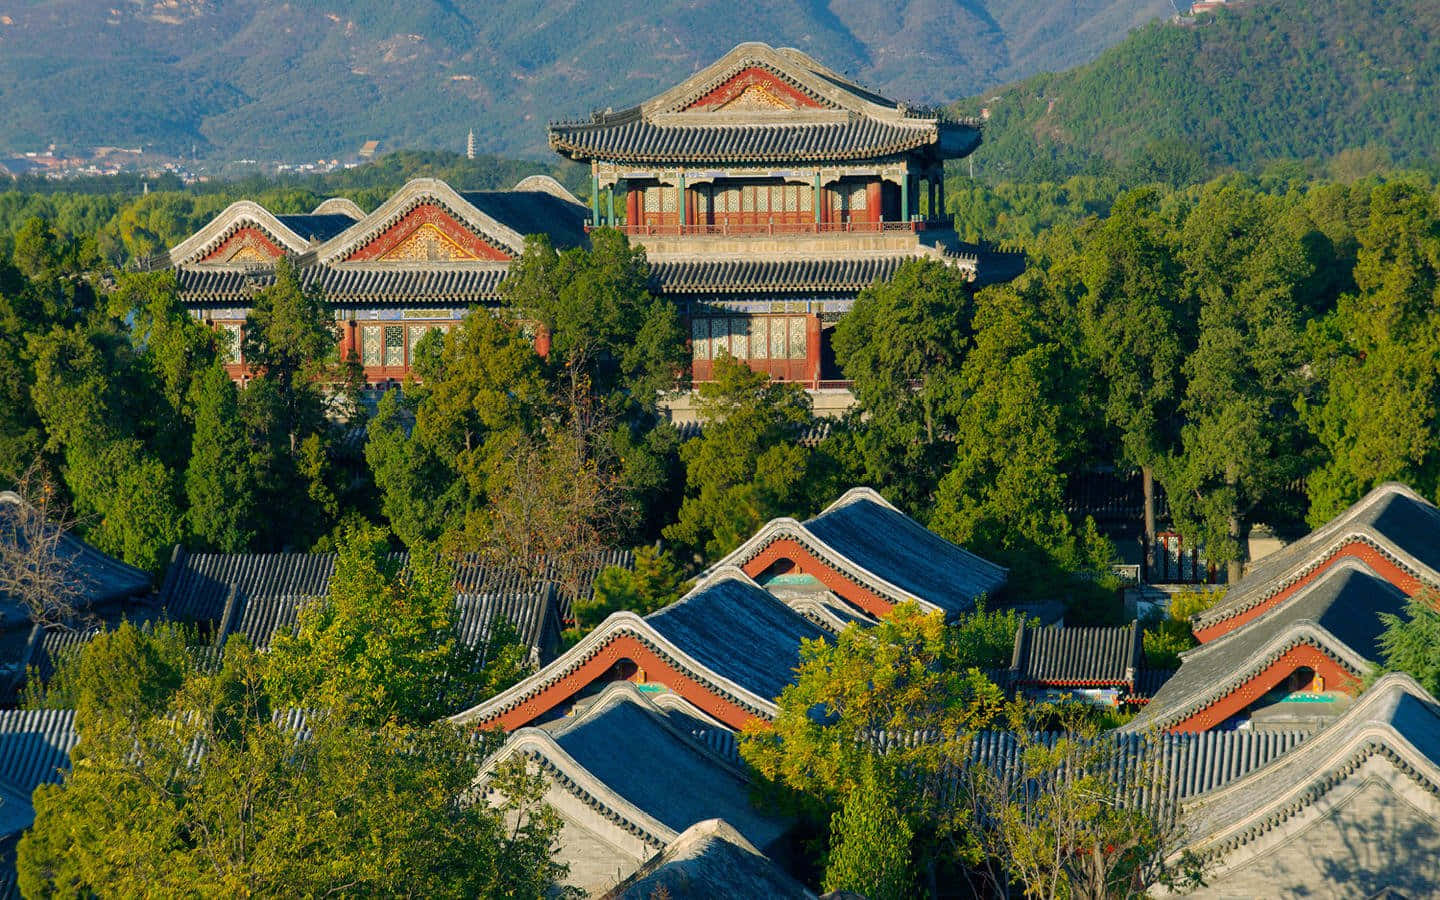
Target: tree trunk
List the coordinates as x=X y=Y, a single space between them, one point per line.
x=1236 y=566
x=1147 y=479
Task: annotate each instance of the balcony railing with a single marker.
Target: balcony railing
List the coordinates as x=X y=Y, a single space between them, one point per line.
x=782 y=228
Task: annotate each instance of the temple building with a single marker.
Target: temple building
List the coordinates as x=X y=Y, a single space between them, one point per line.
x=859 y=558
x=1291 y=644
x=617 y=815
x=766 y=189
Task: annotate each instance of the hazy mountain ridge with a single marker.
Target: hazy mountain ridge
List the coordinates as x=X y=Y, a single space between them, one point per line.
x=1262 y=81
x=307 y=78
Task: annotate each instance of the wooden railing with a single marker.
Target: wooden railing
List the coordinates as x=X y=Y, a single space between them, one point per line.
x=767 y=228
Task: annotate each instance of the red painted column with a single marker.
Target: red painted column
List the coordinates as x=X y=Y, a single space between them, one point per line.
x=632 y=208
x=347 y=339
x=872 y=201
x=812 y=350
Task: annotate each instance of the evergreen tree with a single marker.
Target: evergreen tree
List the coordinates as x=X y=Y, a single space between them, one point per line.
x=1378 y=358
x=1241 y=444
x=746 y=468
x=902 y=345
x=1412 y=644
x=224 y=498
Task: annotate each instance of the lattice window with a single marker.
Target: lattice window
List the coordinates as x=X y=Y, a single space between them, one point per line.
x=652 y=199
x=759 y=330
x=370 y=353
x=667 y=198
x=778 y=340
x=806 y=198
x=394 y=345
x=700 y=339
x=859 y=197
x=739 y=339
x=762 y=198
x=747 y=198
x=797 y=338
x=230 y=334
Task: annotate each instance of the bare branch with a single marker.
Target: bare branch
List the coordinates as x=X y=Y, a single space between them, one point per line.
x=35 y=565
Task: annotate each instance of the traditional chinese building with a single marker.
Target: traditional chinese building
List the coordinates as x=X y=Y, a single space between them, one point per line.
x=768 y=190
x=419 y=262
x=1291 y=644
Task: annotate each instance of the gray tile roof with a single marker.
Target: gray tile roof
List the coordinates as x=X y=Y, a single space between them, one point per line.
x=728 y=634
x=1392 y=519
x=1176 y=767
x=534 y=212
x=197 y=585
x=102 y=579
x=1338 y=611
x=873 y=535
x=740 y=632
x=628 y=137
x=791 y=275
x=843 y=121
x=1077 y=657
x=316 y=227
x=681 y=781
x=458 y=285
x=1395 y=720
x=710 y=860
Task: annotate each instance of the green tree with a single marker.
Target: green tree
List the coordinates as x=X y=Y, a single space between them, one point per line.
x=746 y=468
x=289 y=340
x=1004 y=497
x=1069 y=817
x=382 y=644
x=1378 y=359
x=655 y=582
x=1241 y=443
x=1137 y=329
x=1412 y=644
x=224 y=497
x=902 y=345
x=870 y=843
x=910 y=674
x=212 y=795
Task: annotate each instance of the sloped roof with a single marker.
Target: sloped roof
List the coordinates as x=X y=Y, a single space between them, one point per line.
x=727 y=634
x=1395 y=720
x=249 y=214
x=1107 y=655
x=780 y=275
x=864 y=537
x=1392 y=519
x=384 y=283
x=197 y=586
x=839 y=120
x=501 y=218
x=1338 y=612
x=710 y=860
x=34 y=750
x=101 y=578
x=682 y=780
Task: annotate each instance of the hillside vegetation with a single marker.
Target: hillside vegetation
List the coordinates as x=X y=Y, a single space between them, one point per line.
x=260 y=79
x=1260 y=82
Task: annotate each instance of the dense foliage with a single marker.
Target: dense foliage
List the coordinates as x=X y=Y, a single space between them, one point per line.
x=190 y=780
x=1349 y=83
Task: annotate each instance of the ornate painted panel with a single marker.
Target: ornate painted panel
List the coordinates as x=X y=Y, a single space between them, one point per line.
x=754 y=88
x=427 y=234
x=247 y=245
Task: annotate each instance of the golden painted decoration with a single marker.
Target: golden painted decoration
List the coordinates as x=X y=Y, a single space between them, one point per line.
x=428 y=243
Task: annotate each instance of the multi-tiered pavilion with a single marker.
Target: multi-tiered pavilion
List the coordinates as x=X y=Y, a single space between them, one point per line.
x=768 y=190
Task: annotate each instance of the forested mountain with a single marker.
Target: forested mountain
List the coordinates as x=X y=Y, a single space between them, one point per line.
x=262 y=79
x=1251 y=84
